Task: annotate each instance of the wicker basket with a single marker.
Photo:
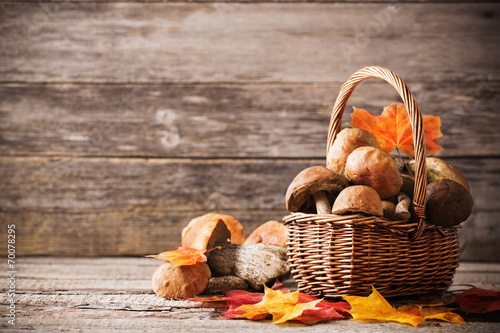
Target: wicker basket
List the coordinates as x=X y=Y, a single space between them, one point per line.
x=333 y=255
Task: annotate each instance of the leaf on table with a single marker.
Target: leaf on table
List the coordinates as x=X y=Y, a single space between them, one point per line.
x=433 y=312
x=341 y=308
x=282 y=305
x=477 y=300
x=183 y=256
x=207 y=299
x=393 y=129
x=376 y=308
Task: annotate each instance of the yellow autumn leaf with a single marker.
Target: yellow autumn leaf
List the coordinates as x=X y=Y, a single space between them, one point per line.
x=376 y=308
x=281 y=305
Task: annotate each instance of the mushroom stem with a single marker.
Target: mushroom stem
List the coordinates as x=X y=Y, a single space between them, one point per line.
x=322 y=203
x=403 y=207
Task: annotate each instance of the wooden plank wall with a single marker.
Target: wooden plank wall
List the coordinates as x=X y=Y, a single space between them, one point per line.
x=122 y=120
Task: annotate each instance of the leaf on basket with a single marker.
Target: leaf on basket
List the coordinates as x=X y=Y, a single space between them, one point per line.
x=183 y=256
x=476 y=300
x=393 y=129
x=377 y=308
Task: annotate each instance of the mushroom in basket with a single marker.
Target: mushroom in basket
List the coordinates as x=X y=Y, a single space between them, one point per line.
x=345 y=143
x=315 y=182
x=358 y=199
x=375 y=168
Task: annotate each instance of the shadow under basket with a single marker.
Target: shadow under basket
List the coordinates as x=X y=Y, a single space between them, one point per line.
x=333 y=255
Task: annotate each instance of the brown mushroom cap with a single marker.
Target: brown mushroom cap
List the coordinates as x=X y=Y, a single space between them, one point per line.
x=190 y=232
x=345 y=142
x=440 y=169
x=271 y=232
x=448 y=203
x=210 y=235
x=375 y=168
x=181 y=281
x=408 y=185
x=358 y=199
x=308 y=182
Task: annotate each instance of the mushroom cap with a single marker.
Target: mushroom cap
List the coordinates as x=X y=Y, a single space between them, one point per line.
x=408 y=185
x=210 y=234
x=310 y=181
x=271 y=232
x=345 y=142
x=389 y=209
x=181 y=281
x=190 y=232
x=358 y=199
x=448 y=203
x=440 y=169
x=375 y=168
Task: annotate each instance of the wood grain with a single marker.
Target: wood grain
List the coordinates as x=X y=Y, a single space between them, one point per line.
x=89 y=294
x=221 y=121
x=135 y=206
x=182 y=42
x=122 y=120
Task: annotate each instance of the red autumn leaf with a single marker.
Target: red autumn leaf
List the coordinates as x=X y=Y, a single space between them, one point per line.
x=282 y=305
x=393 y=129
x=183 y=256
x=476 y=300
x=376 y=308
x=341 y=308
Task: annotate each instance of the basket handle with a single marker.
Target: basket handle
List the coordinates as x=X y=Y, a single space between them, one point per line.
x=416 y=122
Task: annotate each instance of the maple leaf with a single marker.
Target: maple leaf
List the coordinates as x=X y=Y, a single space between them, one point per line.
x=183 y=256
x=282 y=305
x=377 y=308
x=477 y=300
x=393 y=129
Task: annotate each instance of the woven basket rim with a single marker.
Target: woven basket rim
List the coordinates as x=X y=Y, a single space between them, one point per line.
x=397 y=226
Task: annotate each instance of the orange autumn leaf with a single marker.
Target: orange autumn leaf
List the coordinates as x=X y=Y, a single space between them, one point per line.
x=284 y=306
x=433 y=312
x=376 y=308
x=393 y=129
x=183 y=256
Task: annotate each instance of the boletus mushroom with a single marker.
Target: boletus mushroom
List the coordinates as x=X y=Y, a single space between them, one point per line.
x=375 y=168
x=271 y=232
x=181 y=281
x=448 y=203
x=345 y=143
x=210 y=235
x=439 y=169
x=316 y=182
x=191 y=231
x=358 y=199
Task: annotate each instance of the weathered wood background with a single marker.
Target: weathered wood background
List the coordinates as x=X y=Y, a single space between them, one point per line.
x=122 y=120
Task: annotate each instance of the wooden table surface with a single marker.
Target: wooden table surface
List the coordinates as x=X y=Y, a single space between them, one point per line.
x=114 y=294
